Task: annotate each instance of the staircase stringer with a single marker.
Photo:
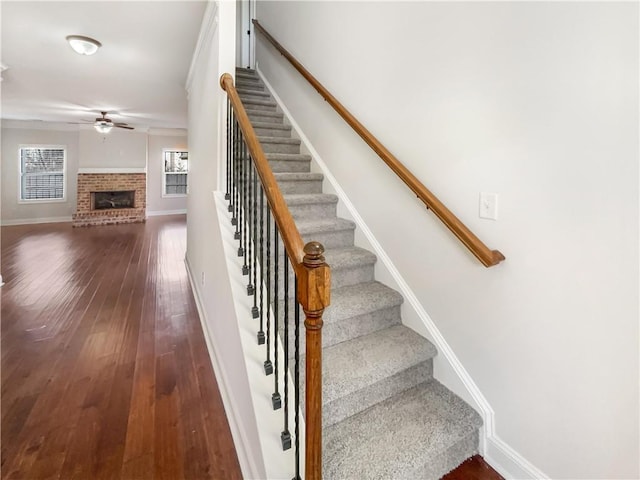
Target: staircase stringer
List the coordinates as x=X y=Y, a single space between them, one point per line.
x=448 y=369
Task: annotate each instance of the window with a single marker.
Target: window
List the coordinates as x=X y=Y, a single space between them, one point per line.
x=174 y=175
x=42 y=173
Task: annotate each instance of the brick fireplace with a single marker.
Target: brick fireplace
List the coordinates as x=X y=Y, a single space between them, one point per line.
x=111 y=187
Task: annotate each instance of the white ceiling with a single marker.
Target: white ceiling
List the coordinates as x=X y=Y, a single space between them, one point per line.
x=138 y=75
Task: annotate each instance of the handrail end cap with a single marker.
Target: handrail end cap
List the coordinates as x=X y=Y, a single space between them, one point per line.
x=223 y=78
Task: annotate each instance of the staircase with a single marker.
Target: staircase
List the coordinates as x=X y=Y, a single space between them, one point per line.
x=384 y=415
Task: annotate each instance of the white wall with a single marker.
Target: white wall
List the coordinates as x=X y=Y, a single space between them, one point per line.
x=12 y=210
x=156 y=203
x=86 y=149
x=214 y=55
x=119 y=148
x=537 y=102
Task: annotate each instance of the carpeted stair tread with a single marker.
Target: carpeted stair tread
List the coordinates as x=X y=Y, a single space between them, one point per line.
x=246 y=73
x=244 y=91
x=360 y=299
x=372 y=358
x=349 y=257
x=288 y=141
x=259 y=104
x=271 y=126
x=298 y=176
x=331 y=232
x=310 y=198
x=247 y=83
x=303 y=182
x=423 y=432
x=350 y=266
x=311 y=205
x=355 y=311
x=264 y=116
x=287 y=156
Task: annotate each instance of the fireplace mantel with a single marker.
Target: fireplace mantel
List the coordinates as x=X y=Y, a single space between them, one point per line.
x=112 y=170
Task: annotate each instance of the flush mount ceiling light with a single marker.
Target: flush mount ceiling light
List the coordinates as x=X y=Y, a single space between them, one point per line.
x=83 y=45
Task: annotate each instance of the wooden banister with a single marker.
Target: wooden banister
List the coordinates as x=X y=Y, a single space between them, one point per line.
x=483 y=253
x=314 y=282
x=290 y=236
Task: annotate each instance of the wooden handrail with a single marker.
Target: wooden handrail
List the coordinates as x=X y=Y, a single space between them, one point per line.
x=483 y=253
x=290 y=236
x=314 y=283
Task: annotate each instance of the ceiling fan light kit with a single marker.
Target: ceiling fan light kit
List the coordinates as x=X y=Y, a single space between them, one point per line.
x=103 y=127
x=104 y=124
x=83 y=45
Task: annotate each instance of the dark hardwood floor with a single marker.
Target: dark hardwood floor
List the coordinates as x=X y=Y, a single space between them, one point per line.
x=474 y=468
x=105 y=372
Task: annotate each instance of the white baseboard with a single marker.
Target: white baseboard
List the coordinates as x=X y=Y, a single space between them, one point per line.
x=247 y=465
x=32 y=221
x=158 y=213
x=509 y=463
x=450 y=370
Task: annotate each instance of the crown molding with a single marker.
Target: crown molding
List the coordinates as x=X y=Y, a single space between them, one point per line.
x=207 y=29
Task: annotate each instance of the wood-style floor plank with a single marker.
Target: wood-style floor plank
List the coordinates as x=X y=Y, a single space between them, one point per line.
x=105 y=371
x=475 y=468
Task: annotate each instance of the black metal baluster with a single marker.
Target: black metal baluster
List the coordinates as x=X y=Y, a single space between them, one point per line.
x=227 y=195
x=236 y=172
x=261 y=337
x=296 y=381
x=254 y=310
x=239 y=225
x=276 y=400
x=268 y=365
x=250 y=214
x=285 y=436
x=233 y=165
x=245 y=207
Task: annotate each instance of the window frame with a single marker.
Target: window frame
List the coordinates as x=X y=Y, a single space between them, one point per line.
x=165 y=173
x=21 y=175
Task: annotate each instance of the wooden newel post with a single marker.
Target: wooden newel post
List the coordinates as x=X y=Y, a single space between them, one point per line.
x=314 y=296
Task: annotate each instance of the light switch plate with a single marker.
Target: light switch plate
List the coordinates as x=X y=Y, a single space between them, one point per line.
x=489 y=205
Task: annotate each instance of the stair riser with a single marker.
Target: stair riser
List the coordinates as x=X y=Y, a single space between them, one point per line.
x=298 y=166
x=272 y=147
x=246 y=74
x=440 y=463
x=272 y=132
x=300 y=186
x=310 y=211
x=345 y=329
x=242 y=91
x=313 y=210
x=334 y=238
x=249 y=84
x=259 y=105
x=352 y=275
x=248 y=97
x=264 y=118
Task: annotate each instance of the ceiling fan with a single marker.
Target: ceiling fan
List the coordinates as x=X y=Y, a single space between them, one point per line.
x=104 y=124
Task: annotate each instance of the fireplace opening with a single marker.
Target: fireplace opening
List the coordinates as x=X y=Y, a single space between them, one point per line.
x=109 y=200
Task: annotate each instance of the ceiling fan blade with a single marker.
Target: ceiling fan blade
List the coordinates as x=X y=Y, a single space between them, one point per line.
x=123 y=125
